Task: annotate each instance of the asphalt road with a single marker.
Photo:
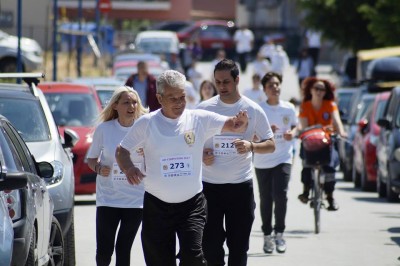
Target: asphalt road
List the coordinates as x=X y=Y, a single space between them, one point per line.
x=364 y=232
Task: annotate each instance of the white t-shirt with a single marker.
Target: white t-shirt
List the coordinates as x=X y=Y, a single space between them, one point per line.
x=243 y=39
x=314 y=39
x=228 y=166
x=284 y=117
x=257 y=96
x=114 y=190
x=173 y=150
x=261 y=67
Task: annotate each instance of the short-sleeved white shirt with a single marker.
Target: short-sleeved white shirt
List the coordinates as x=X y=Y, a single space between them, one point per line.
x=109 y=193
x=236 y=168
x=257 y=96
x=243 y=39
x=169 y=144
x=284 y=117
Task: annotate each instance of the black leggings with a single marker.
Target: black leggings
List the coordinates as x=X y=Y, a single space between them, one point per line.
x=107 y=221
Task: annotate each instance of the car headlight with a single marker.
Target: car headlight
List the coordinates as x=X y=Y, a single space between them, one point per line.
x=397 y=154
x=58 y=173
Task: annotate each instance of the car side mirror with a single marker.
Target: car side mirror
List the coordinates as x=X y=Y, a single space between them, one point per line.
x=363 y=126
x=45 y=169
x=10 y=181
x=70 y=138
x=384 y=123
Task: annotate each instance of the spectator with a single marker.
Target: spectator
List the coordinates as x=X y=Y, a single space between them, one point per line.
x=267 y=50
x=193 y=75
x=280 y=60
x=304 y=67
x=145 y=85
x=244 y=40
x=314 y=45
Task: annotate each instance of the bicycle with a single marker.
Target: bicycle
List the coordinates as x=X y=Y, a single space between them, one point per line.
x=317 y=145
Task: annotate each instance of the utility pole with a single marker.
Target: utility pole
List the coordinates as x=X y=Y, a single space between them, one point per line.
x=79 y=41
x=19 y=34
x=55 y=29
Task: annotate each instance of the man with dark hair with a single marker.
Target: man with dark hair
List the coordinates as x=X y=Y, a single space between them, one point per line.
x=145 y=84
x=227 y=170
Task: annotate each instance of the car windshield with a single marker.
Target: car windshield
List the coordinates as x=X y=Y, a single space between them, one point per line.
x=28 y=118
x=155 y=45
x=105 y=96
x=363 y=108
x=345 y=103
x=73 y=109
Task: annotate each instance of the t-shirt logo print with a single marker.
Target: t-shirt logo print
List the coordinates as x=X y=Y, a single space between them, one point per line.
x=189 y=138
x=286 y=120
x=326 y=116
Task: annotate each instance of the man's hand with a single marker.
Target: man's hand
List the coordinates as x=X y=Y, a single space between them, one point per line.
x=208 y=156
x=104 y=170
x=288 y=135
x=242 y=146
x=134 y=175
x=241 y=121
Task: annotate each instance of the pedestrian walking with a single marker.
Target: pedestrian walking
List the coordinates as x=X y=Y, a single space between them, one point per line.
x=118 y=204
x=304 y=67
x=273 y=170
x=172 y=139
x=244 y=39
x=313 y=38
x=227 y=172
x=145 y=85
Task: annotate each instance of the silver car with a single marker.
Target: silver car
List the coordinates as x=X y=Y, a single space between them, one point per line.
x=27 y=109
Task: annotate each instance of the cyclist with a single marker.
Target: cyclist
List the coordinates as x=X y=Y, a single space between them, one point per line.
x=319 y=107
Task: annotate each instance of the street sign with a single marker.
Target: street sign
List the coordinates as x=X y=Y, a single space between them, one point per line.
x=105 y=6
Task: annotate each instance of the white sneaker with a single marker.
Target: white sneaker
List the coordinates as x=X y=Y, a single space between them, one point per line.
x=269 y=244
x=280 y=243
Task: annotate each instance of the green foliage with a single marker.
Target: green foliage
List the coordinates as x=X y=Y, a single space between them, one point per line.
x=348 y=22
x=384 y=17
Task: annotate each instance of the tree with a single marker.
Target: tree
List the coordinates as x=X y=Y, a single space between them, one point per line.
x=343 y=21
x=384 y=17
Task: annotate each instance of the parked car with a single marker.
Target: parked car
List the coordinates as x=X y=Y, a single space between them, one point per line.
x=211 y=36
x=76 y=107
x=344 y=96
x=105 y=87
x=170 y=25
x=125 y=64
x=388 y=149
x=381 y=74
x=6 y=224
x=26 y=108
x=157 y=42
x=365 y=141
x=31 y=53
x=38 y=238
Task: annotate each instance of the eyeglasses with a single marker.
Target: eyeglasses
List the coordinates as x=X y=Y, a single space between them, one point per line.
x=319 y=88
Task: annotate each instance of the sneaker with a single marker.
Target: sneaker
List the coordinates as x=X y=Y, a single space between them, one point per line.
x=269 y=244
x=303 y=198
x=333 y=206
x=280 y=243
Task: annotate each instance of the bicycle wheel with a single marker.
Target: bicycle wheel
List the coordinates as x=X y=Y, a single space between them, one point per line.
x=317 y=200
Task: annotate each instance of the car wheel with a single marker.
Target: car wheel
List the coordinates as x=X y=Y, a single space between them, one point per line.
x=32 y=259
x=347 y=173
x=391 y=196
x=69 y=245
x=366 y=185
x=356 y=178
x=56 y=244
x=380 y=186
x=8 y=65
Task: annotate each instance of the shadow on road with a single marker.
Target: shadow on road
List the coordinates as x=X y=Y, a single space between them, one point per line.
x=85 y=202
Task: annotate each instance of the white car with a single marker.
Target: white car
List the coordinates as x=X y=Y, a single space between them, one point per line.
x=31 y=54
x=157 y=42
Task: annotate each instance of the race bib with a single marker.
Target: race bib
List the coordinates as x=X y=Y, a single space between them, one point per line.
x=176 y=166
x=118 y=176
x=224 y=146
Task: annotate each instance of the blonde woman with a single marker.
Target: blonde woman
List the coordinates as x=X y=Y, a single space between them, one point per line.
x=118 y=202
